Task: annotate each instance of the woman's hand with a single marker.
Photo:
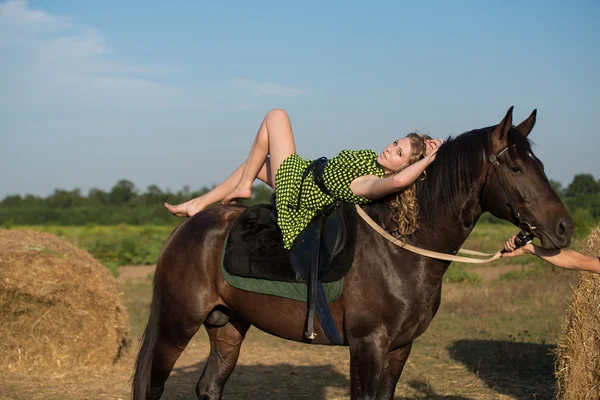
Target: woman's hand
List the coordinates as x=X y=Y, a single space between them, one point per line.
x=511 y=249
x=432 y=146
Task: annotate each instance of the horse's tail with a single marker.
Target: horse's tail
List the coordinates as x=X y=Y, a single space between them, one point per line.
x=143 y=363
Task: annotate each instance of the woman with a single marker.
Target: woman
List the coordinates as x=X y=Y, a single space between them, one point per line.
x=352 y=176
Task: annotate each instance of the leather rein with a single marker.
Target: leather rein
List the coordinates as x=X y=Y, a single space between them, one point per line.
x=523 y=237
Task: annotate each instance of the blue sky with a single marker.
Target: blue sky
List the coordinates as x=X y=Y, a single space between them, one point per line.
x=172 y=93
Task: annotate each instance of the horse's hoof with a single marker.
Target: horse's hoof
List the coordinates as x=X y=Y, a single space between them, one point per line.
x=310 y=336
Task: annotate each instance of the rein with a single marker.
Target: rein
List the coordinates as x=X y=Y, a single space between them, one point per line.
x=429 y=253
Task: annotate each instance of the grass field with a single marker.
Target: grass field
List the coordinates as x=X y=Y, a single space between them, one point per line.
x=493 y=338
x=120 y=245
x=114 y=245
x=490 y=340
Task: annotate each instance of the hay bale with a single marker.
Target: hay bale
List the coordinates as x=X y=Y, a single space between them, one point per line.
x=59 y=307
x=577 y=367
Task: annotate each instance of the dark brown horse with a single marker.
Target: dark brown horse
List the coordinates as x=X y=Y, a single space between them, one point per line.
x=389 y=296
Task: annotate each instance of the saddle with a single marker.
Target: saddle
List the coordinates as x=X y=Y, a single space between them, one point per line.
x=322 y=252
x=254 y=246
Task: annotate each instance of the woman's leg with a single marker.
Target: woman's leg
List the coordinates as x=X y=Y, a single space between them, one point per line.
x=275 y=139
x=198 y=204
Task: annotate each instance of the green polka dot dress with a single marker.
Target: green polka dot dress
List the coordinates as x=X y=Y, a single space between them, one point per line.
x=339 y=172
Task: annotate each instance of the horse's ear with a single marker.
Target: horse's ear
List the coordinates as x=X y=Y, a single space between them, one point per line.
x=499 y=134
x=526 y=126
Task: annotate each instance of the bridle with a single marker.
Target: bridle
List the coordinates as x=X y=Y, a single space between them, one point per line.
x=525 y=234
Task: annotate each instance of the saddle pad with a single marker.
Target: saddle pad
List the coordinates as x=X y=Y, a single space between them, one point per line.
x=289 y=290
x=254 y=249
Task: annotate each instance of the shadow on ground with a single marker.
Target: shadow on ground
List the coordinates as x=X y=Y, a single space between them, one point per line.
x=425 y=391
x=279 y=382
x=520 y=370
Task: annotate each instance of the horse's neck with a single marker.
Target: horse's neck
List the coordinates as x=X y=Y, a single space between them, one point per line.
x=448 y=231
x=445 y=235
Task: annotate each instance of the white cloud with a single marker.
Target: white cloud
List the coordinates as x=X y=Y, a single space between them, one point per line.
x=50 y=63
x=266 y=88
x=15 y=12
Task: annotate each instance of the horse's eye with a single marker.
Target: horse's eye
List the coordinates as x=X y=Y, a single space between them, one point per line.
x=516 y=169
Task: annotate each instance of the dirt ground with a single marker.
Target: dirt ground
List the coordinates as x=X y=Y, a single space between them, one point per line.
x=489 y=341
x=135 y=272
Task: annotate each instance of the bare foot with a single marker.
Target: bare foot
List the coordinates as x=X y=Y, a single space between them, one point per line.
x=238 y=192
x=186 y=209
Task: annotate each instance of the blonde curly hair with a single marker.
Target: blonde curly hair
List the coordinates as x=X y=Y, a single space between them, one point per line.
x=404 y=203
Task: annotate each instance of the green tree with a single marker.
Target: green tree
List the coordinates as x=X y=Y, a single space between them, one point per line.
x=122 y=193
x=185 y=193
x=65 y=199
x=556 y=185
x=31 y=200
x=98 y=196
x=154 y=195
x=12 y=201
x=583 y=184
x=261 y=194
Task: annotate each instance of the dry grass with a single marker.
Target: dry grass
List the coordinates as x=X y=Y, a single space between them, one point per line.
x=59 y=307
x=578 y=353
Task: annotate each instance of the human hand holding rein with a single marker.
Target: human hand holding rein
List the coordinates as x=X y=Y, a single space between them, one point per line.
x=512 y=250
x=562 y=258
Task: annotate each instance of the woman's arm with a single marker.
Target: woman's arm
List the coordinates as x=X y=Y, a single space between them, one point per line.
x=565 y=258
x=372 y=187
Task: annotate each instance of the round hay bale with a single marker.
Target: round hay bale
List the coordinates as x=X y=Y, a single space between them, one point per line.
x=577 y=367
x=59 y=307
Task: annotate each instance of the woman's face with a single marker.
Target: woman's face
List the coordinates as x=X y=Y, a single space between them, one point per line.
x=395 y=156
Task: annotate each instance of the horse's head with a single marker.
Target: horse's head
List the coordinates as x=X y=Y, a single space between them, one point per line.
x=517 y=189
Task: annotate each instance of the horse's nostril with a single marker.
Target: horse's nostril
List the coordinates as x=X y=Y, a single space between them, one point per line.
x=564 y=228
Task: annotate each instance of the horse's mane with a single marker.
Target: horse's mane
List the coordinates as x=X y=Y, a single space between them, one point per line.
x=456 y=168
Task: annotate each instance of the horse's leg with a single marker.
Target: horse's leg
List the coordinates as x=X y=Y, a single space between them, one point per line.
x=171 y=325
x=367 y=360
x=173 y=337
x=225 y=343
x=394 y=364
